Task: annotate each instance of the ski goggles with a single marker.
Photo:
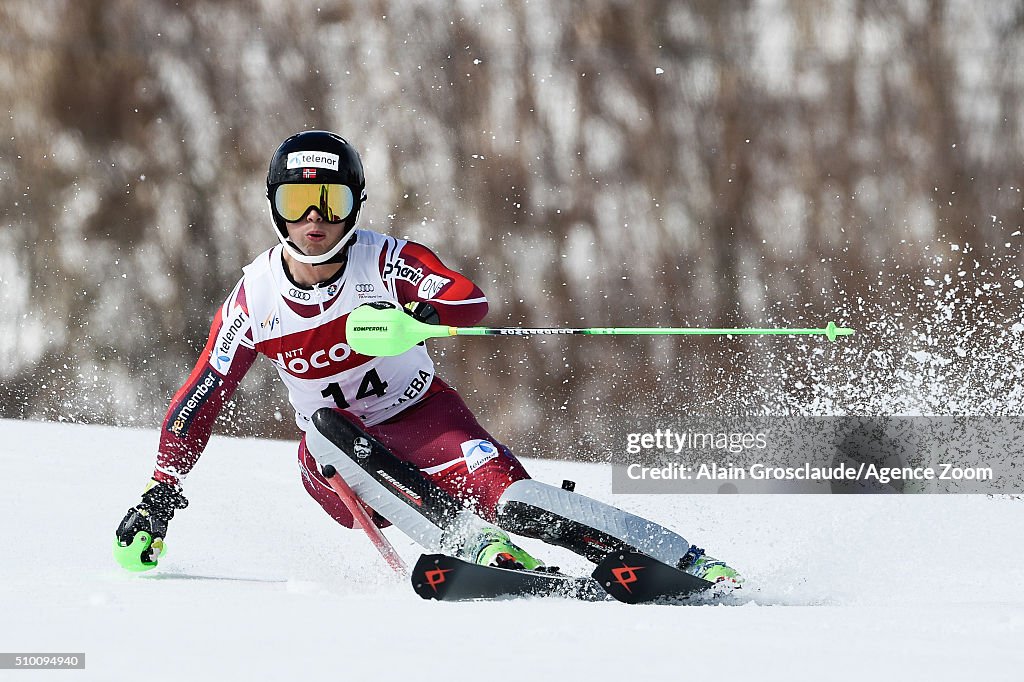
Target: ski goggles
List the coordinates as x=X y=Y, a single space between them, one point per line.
x=293 y=202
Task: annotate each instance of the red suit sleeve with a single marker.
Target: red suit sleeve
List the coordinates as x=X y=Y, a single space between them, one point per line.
x=228 y=355
x=418 y=275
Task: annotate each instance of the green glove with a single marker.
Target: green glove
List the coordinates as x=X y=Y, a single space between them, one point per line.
x=139 y=539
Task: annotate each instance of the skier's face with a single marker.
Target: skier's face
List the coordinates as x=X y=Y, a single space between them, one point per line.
x=315 y=236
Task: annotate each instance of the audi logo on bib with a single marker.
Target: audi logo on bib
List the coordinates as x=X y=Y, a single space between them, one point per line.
x=296 y=362
x=298 y=294
x=364 y=288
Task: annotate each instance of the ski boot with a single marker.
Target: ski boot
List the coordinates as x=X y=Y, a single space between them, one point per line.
x=697 y=563
x=493 y=547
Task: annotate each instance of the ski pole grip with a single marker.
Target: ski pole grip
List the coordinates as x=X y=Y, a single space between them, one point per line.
x=329 y=471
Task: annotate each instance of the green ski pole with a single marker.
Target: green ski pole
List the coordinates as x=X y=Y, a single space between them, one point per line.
x=384 y=332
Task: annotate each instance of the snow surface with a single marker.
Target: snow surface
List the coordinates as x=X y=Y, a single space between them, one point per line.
x=259 y=584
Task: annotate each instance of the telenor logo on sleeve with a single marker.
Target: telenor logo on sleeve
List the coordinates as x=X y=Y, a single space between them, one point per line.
x=231 y=333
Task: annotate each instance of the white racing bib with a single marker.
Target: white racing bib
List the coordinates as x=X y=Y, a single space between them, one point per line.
x=311 y=354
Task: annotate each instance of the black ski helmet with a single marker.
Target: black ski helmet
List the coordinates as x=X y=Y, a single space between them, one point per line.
x=311 y=157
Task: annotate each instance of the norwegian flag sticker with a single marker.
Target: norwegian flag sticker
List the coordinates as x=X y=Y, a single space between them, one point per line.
x=308 y=173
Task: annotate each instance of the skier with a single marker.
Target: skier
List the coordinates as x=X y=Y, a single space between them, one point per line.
x=291 y=306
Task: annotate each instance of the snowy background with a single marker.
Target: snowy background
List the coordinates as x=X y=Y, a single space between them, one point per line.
x=767 y=163
x=260 y=584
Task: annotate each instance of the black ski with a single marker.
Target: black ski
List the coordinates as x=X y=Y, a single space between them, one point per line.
x=636 y=578
x=445 y=578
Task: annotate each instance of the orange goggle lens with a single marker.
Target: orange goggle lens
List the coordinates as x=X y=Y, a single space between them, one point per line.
x=333 y=202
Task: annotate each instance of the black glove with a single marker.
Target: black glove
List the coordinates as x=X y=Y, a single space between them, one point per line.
x=420 y=311
x=151 y=517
